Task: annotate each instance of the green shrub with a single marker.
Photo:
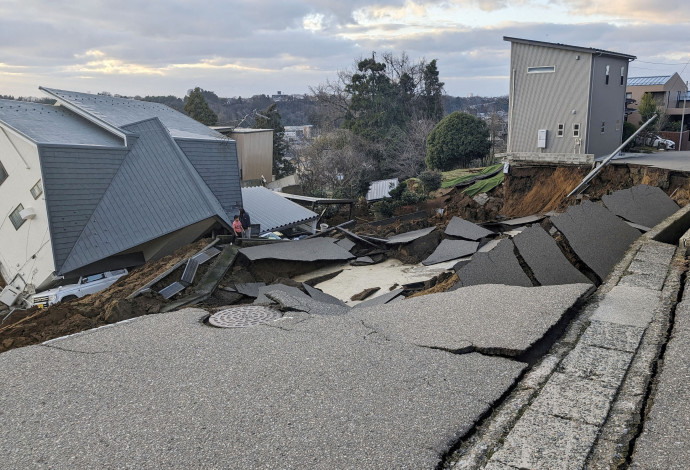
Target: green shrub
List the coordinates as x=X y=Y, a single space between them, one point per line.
x=431 y=180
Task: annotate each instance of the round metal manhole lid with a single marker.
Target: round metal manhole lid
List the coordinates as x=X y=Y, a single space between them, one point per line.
x=244 y=316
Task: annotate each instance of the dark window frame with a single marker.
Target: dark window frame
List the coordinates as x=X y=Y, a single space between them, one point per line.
x=3 y=173
x=40 y=187
x=16 y=219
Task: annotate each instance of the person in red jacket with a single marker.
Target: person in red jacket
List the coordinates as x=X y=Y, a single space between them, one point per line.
x=237 y=227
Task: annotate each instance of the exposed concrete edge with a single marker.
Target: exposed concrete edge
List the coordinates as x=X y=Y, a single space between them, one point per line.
x=488 y=436
x=624 y=420
x=669 y=231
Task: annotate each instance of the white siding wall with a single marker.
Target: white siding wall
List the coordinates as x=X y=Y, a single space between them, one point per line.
x=18 y=247
x=544 y=100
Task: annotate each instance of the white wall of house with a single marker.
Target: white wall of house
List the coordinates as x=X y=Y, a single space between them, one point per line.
x=26 y=255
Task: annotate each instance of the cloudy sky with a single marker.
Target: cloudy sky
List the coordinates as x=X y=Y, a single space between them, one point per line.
x=248 y=47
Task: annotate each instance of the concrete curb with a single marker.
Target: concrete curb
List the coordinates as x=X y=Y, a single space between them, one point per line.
x=581 y=405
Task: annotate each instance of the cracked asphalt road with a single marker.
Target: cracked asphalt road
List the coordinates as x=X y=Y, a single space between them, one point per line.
x=308 y=391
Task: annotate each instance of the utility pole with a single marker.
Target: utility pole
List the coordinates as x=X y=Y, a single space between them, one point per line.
x=682 y=118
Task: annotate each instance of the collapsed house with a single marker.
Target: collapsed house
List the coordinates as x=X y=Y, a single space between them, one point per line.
x=97 y=183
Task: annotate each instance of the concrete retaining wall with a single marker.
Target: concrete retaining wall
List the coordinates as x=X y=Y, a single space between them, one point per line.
x=561 y=158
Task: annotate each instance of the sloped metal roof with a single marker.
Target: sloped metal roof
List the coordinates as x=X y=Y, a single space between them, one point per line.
x=554 y=45
x=120 y=112
x=647 y=81
x=43 y=123
x=380 y=189
x=273 y=211
x=154 y=191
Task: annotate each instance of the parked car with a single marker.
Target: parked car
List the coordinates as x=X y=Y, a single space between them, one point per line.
x=86 y=285
x=656 y=142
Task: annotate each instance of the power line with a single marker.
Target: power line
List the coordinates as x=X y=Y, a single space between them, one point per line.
x=659 y=63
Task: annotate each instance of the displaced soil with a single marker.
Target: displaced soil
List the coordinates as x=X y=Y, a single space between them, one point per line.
x=32 y=326
x=526 y=190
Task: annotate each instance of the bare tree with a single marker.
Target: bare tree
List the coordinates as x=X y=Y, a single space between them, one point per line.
x=333 y=164
x=413 y=148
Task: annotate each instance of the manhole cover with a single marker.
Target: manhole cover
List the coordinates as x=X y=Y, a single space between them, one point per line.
x=244 y=316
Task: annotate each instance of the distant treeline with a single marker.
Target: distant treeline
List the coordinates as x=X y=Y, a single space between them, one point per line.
x=293 y=111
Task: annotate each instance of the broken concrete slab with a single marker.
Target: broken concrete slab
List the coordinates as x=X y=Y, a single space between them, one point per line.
x=250 y=289
x=321 y=296
x=263 y=298
x=486 y=245
x=451 y=249
x=642 y=204
x=308 y=392
x=548 y=263
x=575 y=398
x=381 y=299
x=530 y=219
x=288 y=301
x=596 y=235
x=462 y=228
x=494 y=319
x=625 y=305
x=546 y=442
x=313 y=249
x=498 y=266
x=362 y=261
x=346 y=244
x=408 y=237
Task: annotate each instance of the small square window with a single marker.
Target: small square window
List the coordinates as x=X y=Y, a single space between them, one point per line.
x=561 y=127
x=603 y=126
x=37 y=190
x=15 y=218
x=576 y=130
x=3 y=174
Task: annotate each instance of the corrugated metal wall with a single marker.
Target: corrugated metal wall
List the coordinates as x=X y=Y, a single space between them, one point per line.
x=543 y=100
x=608 y=105
x=255 y=151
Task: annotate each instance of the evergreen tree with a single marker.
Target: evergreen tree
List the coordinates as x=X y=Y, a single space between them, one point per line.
x=375 y=101
x=197 y=108
x=270 y=119
x=432 y=106
x=457 y=140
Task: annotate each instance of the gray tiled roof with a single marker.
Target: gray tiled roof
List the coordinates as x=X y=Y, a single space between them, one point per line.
x=647 y=81
x=272 y=211
x=154 y=192
x=43 y=123
x=216 y=163
x=120 y=112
